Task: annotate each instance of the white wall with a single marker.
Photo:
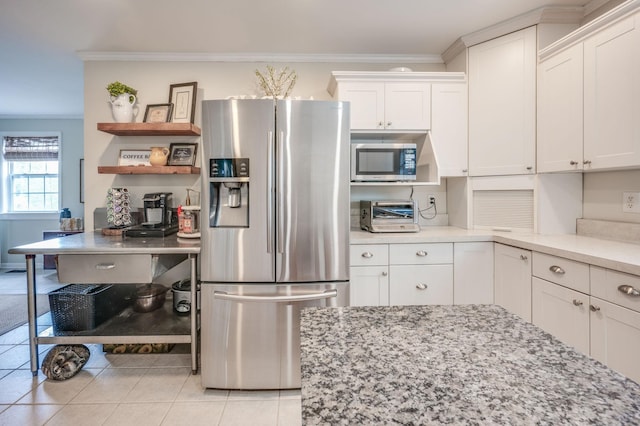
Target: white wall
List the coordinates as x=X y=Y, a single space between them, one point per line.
x=603 y=195
x=152 y=79
x=14 y=232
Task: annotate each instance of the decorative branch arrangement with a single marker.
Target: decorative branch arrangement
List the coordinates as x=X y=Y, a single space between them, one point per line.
x=277 y=83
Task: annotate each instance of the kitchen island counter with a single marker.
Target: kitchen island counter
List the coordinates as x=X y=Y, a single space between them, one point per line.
x=464 y=364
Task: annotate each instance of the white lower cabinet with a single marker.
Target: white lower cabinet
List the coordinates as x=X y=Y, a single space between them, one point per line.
x=513 y=280
x=473 y=273
x=421 y=284
x=369 y=281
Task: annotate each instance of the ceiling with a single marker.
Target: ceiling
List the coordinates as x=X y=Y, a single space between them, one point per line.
x=42 y=40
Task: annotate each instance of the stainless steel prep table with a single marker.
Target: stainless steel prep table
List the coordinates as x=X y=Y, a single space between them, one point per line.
x=96 y=244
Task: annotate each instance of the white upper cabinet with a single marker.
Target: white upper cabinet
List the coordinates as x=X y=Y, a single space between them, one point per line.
x=612 y=96
x=502 y=105
x=560 y=121
x=449 y=127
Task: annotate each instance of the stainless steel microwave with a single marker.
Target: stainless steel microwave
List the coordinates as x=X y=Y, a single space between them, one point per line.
x=383 y=162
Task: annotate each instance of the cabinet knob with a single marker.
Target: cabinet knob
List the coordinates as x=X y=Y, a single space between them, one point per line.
x=523 y=257
x=388 y=124
x=594 y=308
x=384 y=274
x=586 y=162
x=380 y=124
x=529 y=168
x=421 y=286
x=556 y=270
x=465 y=170
x=367 y=255
x=628 y=290
x=577 y=302
x=421 y=253
x=573 y=163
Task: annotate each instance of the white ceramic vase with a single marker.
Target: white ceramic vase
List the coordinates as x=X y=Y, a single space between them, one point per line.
x=122 y=107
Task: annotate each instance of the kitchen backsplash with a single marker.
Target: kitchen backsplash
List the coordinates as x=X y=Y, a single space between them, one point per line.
x=609 y=230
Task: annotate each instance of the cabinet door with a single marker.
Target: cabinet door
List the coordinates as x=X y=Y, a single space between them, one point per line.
x=369 y=286
x=407 y=106
x=449 y=127
x=502 y=105
x=561 y=312
x=612 y=96
x=421 y=284
x=513 y=280
x=472 y=273
x=615 y=337
x=367 y=104
x=560 y=104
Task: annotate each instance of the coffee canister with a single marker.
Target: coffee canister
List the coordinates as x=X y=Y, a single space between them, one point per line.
x=182 y=297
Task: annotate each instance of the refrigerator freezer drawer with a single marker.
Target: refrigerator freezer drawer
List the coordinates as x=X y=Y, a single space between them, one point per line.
x=251 y=332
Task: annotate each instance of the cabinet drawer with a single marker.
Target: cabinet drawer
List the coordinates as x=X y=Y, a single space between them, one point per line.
x=105 y=268
x=568 y=273
x=421 y=285
x=420 y=254
x=616 y=287
x=369 y=254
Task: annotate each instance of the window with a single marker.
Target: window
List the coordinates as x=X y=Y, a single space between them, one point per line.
x=30 y=171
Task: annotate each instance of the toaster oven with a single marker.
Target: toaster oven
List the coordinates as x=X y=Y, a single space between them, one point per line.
x=389 y=216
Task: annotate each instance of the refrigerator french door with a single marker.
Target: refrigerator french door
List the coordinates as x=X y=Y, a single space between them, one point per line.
x=275 y=233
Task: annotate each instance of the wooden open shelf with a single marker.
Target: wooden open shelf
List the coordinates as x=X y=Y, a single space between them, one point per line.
x=150 y=129
x=149 y=170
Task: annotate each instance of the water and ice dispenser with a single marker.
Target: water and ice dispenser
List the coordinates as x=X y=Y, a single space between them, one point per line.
x=229 y=193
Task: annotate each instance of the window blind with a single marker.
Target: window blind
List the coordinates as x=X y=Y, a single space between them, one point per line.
x=503 y=208
x=30 y=148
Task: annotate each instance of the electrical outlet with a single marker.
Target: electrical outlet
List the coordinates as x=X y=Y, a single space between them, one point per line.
x=631 y=202
x=432 y=200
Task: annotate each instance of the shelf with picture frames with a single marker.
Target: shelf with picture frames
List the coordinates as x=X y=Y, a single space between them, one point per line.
x=150 y=129
x=149 y=170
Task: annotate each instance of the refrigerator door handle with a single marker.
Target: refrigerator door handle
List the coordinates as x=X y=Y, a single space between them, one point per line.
x=270 y=299
x=270 y=194
x=280 y=184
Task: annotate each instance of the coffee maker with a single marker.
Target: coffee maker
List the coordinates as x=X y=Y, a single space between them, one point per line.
x=159 y=218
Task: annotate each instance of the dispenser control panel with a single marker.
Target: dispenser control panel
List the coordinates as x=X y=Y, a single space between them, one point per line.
x=228 y=167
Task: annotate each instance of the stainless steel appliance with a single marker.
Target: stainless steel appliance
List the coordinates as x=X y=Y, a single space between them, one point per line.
x=383 y=161
x=160 y=219
x=276 y=238
x=389 y=216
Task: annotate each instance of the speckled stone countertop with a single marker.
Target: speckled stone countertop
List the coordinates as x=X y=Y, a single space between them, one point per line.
x=464 y=364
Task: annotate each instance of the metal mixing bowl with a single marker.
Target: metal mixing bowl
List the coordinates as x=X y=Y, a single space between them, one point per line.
x=150 y=297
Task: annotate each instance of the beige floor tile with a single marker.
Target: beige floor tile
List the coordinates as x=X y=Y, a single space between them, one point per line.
x=250 y=413
x=111 y=385
x=59 y=392
x=253 y=395
x=139 y=414
x=17 y=384
x=14 y=357
x=290 y=394
x=290 y=412
x=28 y=414
x=194 y=413
x=159 y=385
x=82 y=414
x=172 y=360
x=192 y=390
x=131 y=360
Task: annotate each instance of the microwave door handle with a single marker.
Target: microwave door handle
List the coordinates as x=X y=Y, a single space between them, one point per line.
x=328 y=294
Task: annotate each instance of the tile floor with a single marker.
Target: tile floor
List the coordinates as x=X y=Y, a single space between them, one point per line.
x=124 y=389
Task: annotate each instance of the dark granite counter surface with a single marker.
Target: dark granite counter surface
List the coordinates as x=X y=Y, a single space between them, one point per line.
x=464 y=364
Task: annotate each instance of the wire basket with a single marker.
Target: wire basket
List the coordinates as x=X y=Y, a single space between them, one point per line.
x=80 y=307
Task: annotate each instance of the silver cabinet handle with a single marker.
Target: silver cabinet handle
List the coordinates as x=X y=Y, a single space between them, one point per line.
x=594 y=308
x=421 y=286
x=105 y=266
x=556 y=270
x=523 y=257
x=573 y=163
x=628 y=290
x=380 y=124
x=529 y=168
x=577 y=302
x=465 y=170
x=587 y=162
x=421 y=253
x=388 y=123
x=384 y=274
x=298 y=298
x=367 y=255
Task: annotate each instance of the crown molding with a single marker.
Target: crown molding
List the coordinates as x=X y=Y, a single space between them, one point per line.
x=258 y=57
x=542 y=15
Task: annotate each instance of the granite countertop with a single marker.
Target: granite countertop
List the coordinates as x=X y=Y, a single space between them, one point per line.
x=96 y=243
x=464 y=364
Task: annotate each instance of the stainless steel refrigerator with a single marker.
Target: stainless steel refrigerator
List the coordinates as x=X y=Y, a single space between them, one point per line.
x=274 y=232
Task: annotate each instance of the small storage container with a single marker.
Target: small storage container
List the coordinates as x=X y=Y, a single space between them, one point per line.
x=80 y=307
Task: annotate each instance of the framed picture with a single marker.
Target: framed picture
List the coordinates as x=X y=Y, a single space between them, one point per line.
x=158 y=113
x=183 y=98
x=131 y=157
x=182 y=154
